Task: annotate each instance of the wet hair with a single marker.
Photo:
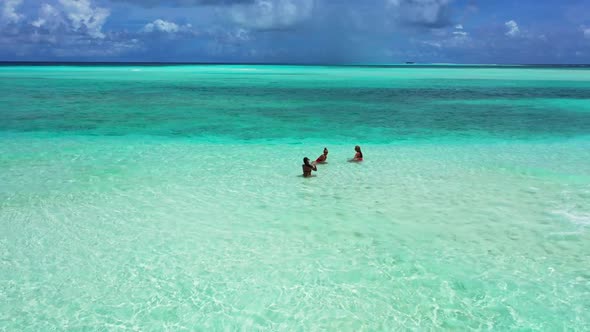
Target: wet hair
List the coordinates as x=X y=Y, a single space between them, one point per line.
x=306 y=161
x=358 y=149
x=325 y=150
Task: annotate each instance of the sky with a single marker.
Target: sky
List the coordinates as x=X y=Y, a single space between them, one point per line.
x=297 y=31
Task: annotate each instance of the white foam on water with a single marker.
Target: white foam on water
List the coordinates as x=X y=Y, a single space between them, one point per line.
x=577 y=218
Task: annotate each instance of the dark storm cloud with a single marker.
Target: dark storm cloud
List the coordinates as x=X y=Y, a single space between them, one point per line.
x=272 y=15
x=425 y=13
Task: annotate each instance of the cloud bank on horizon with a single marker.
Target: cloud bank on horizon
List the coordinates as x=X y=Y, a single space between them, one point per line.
x=298 y=31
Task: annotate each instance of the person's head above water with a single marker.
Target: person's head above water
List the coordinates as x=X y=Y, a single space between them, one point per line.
x=306 y=161
x=359 y=155
x=326 y=151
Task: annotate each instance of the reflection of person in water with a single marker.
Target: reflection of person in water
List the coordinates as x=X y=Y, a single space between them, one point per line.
x=322 y=159
x=307 y=167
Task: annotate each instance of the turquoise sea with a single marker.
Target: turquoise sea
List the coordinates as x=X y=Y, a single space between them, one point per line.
x=170 y=198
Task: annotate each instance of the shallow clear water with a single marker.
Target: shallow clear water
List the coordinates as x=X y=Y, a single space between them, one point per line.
x=169 y=197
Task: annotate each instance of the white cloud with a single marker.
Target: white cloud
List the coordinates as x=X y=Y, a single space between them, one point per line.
x=272 y=14
x=513 y=29
x=585 y=31
x=241 y=34
x=455 y=39
x=9 y=14
x=460 y=34
x=432 y=43
x=160 y=25
x=83 y=17
x=49 y=17
x=69 y=28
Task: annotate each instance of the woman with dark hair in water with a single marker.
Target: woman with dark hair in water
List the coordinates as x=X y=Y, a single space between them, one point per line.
x=322 y=159
x=358 y=156
x=307 y=167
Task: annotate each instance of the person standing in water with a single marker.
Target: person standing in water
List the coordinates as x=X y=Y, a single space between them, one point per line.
x=307 y=167
x=322 y=159
x=358 y=156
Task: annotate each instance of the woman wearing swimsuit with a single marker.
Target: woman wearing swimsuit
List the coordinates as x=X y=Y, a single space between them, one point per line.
x=358 y=156
x=307 y=167
x=322 y=159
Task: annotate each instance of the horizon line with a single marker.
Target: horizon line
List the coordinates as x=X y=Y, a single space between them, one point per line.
x=405 y=64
